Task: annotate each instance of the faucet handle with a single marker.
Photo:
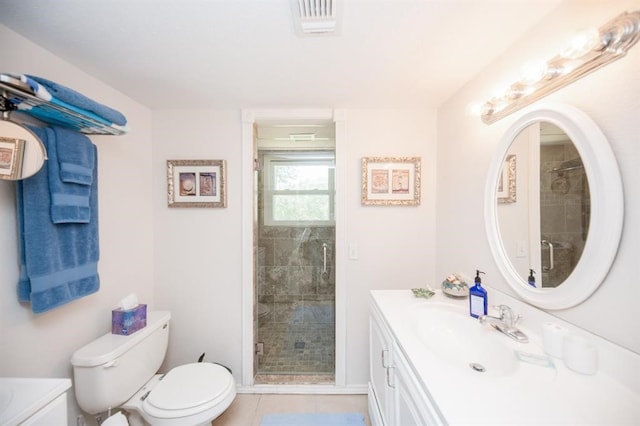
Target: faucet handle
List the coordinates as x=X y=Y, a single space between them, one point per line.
x=507 y=316
x=517 y=319
x=503 y=310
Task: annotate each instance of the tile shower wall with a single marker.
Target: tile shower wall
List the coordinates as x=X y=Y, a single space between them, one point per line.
x=564 y=210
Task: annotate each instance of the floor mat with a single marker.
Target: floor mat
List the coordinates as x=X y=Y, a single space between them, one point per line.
x=313 y=419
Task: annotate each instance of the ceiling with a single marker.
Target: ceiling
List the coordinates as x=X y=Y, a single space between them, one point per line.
x=247 y=54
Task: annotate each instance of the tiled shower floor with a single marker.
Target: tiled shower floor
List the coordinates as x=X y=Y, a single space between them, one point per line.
x=302 y=345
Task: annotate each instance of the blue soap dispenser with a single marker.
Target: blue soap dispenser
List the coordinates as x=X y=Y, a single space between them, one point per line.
x=477 y=297
x=532 y=279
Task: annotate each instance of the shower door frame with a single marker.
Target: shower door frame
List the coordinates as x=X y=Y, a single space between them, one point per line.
x=249 y=152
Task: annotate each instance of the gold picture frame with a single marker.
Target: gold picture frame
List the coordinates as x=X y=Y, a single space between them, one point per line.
x=196 y=183
x=11 y=157
x=391 y=181
x=506 y=191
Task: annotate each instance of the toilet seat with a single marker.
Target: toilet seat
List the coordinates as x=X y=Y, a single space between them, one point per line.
x=190 y=389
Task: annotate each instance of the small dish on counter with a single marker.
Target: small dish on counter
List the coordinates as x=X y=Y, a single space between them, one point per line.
x=455 y=286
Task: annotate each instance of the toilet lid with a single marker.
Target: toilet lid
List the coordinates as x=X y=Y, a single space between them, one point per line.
x=189 y=386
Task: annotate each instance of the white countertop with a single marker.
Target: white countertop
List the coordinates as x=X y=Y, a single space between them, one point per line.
x=22 y=397
x=540 y=395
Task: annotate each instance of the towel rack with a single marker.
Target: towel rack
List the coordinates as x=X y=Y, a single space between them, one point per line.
x=11 y=94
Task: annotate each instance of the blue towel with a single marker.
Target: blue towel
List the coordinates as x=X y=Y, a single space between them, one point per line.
x=75 y=156
x=70 y=96
x=69 y=201
x=78 y=119
x=59 y=262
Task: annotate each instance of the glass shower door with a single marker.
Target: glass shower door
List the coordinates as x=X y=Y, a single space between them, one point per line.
x=296 y=264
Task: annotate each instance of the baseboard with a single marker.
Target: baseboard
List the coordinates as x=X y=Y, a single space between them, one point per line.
x=305 y=389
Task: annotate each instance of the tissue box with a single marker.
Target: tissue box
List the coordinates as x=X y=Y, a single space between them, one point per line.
x=128 y=321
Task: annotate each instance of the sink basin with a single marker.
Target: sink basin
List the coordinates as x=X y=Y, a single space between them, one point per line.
x=449 y=333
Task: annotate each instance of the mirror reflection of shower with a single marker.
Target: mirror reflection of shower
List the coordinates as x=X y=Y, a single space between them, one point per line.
x=565 y=205
x=295 y=246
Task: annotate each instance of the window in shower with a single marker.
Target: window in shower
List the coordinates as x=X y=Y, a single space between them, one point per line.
x=299 y=189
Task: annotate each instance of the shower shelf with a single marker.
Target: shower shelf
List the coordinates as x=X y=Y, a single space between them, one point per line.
x=12 y=94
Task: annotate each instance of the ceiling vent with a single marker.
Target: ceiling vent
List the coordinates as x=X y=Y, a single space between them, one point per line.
x=315 y=17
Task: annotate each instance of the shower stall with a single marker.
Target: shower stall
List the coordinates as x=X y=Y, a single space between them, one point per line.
x=565 y=207
x=294 y=328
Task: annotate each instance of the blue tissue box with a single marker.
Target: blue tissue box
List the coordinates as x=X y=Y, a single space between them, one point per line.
x=129 y=321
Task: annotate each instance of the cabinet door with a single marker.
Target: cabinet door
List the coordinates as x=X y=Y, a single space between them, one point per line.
x=379 y=363
x=52 y=414
x=412 y=405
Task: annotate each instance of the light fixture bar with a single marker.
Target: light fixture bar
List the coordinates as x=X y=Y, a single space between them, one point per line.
x=586 y=54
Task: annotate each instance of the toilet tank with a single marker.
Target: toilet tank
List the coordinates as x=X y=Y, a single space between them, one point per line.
x=112 y=368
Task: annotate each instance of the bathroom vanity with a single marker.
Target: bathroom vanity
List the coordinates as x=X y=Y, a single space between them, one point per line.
x=33 y=401
x=433 y=364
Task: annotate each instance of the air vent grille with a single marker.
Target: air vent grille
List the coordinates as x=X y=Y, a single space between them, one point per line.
x=316 y=16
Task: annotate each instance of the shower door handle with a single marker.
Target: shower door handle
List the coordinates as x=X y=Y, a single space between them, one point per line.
x=550 y=267
x=383 y=358
x=324 y=258
x=391 y=369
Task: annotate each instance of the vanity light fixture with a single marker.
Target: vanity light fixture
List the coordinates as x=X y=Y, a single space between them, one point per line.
x=585 y=53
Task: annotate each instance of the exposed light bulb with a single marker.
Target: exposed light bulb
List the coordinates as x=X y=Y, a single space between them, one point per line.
x=533 y=72
x=582 y=43
x=477 y=109
x=515 y=91
x=500 y=93
x=498 y=104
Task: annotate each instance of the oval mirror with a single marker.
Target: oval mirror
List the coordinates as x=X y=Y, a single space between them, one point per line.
x=22 y=154
x=554 y=205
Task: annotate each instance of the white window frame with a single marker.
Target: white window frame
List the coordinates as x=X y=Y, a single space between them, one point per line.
x=270 y=160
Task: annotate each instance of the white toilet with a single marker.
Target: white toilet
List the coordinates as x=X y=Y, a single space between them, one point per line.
x=120 y=372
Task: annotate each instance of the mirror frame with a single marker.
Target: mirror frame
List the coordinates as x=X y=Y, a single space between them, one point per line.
x=607 y=208
x=34 y=154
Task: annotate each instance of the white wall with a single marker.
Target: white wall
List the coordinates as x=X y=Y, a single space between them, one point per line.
x=610 y=97
x=396 y=244
x=41 y=345
x=198 y=251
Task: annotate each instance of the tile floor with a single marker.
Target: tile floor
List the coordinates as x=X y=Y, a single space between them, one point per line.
x=297 y=349
x=301 y=342
x=248 y=409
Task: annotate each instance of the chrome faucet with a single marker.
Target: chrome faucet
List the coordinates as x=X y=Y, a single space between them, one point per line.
x=505 y=323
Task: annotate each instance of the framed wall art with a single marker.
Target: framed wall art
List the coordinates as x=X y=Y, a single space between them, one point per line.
x=391 y=181
x=507 y=182
x=11 y=156
x=196 y=183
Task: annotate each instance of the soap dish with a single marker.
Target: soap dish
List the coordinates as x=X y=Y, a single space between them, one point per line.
x=423 y=292
x=460 y=289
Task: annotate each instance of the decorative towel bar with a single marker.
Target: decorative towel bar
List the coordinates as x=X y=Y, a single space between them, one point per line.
x=14 y=92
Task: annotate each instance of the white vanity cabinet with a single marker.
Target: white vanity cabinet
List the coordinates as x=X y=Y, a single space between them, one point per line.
x=396 y=397
x=54 y=413
x=380 y=386
x=421 y=353
x=33 y=401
